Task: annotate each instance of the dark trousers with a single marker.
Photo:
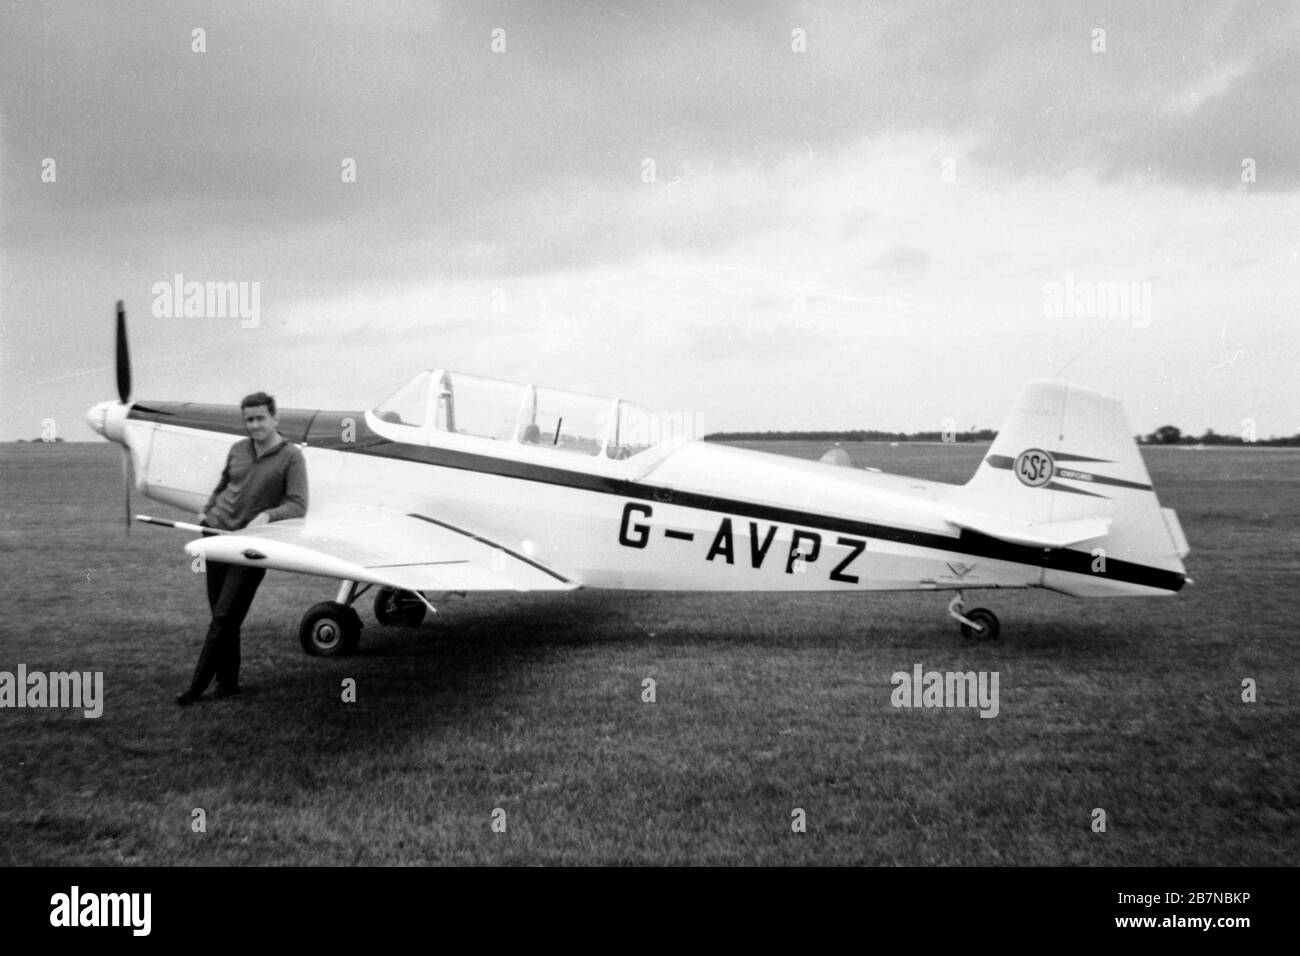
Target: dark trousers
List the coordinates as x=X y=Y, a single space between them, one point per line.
x=231 y=589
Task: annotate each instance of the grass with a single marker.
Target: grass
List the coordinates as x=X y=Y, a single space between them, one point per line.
x=764 y=703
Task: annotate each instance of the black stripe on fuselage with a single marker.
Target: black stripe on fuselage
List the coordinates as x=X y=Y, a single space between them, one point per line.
x=347 y=432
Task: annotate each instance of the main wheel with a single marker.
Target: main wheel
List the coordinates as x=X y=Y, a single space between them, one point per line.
x=330 y=629
x=988 y=625
x=398 y=607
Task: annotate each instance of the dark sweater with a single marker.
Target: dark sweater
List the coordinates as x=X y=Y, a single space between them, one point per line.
x=275 y=483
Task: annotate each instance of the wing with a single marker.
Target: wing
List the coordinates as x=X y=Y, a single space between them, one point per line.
x=388 y=548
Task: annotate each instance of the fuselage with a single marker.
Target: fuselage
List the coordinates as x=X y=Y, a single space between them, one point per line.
x=682 y=515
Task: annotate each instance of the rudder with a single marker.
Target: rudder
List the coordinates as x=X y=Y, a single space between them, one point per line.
x=1066 y=471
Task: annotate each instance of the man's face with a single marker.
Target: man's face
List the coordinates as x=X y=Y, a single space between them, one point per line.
x=259 y=422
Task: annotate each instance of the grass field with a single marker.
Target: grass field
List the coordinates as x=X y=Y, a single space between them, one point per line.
x=532 y=704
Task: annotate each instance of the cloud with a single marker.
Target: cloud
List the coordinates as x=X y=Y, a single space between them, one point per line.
x=253 y=131
x=799 y=215
x=903 y=262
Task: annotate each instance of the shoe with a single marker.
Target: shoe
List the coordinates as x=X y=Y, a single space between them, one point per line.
x=186 y=698
x=227 y=691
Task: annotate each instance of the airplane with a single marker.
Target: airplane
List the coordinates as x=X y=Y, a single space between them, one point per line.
x=457 y=483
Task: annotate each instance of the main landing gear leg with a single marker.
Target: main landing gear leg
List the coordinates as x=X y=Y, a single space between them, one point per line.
x=404 y=608
x=978 y=624
x=333 y=628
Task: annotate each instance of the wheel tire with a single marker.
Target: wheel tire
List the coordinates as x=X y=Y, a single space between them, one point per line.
x=987 y=621
x=329 y=629
x=400 y=608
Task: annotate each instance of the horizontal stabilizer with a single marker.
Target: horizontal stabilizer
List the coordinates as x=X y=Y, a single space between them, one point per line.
x=1059 y=534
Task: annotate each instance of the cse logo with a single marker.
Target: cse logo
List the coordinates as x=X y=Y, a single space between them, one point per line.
x=1034 y=467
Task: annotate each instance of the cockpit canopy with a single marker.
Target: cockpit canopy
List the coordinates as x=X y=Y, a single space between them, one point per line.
x=460 y=404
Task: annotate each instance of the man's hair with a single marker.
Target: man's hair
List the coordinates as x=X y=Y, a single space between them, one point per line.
x=259 y=398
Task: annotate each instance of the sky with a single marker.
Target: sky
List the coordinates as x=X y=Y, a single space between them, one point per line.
x=771 y=216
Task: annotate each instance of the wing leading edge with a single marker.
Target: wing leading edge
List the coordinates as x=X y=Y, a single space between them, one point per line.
x=374 y=546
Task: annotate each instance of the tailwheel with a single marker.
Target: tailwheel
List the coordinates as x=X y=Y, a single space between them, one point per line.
x=330 y=629
x=986 y=625
x=398 y=607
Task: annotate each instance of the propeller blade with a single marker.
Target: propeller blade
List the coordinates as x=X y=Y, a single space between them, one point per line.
x=123 y=357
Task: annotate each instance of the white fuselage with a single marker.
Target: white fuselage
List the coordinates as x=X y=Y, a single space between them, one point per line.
x=689 y=515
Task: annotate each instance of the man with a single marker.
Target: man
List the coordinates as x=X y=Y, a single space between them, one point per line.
x=265 y=479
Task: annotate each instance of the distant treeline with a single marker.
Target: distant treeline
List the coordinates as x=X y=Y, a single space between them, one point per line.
x=986 y=434
x=1173 y=435
x=1164 y=435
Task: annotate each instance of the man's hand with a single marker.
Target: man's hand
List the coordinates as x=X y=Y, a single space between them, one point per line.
x=203 y=516
x=260 y=520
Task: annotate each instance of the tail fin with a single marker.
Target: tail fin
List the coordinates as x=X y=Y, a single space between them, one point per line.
x=1065 y=471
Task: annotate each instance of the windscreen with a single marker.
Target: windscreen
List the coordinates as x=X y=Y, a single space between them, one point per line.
x=409 y=404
